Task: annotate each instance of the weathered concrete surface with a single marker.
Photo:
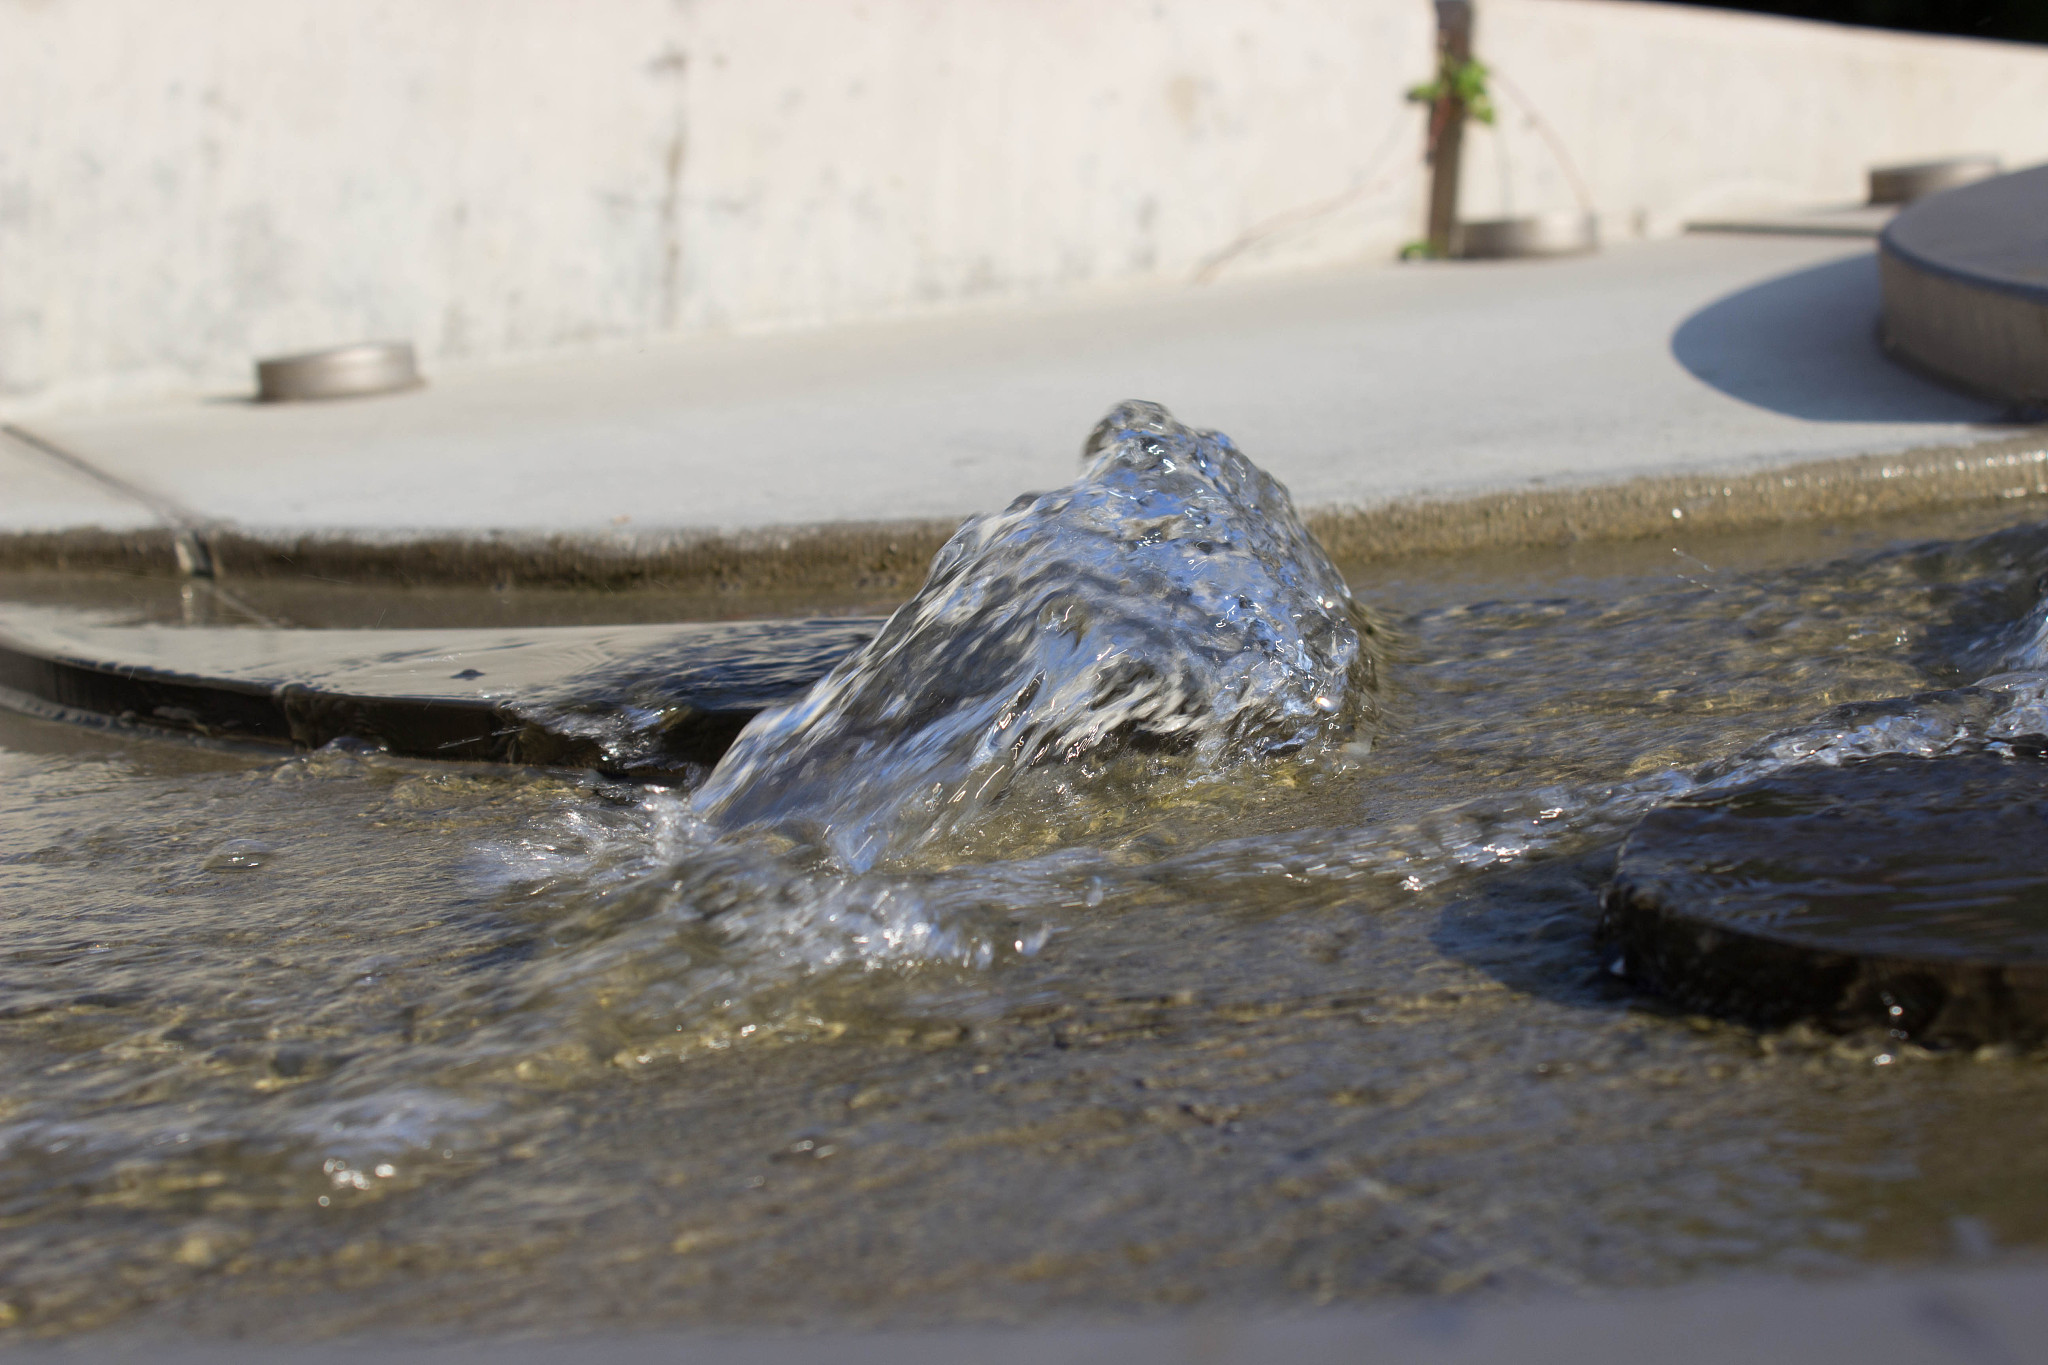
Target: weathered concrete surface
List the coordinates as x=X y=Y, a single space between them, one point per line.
x=1907 y=1318
x=186 y=188
x=182 y=191
x=1966 y=286
x=1701 y=355
x=1671 y=113
x=41 y=494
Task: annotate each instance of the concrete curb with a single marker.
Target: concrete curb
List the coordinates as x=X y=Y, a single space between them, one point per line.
x=1865 y=485
x=894 y=555
x=1965 y=278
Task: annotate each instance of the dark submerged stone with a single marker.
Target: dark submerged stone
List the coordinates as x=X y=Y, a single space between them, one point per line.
x=1909 y=893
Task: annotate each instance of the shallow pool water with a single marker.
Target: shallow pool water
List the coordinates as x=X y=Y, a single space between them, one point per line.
x=295 y=1045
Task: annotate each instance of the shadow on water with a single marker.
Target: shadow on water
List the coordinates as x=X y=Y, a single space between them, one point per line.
x=1534 y=928
x=1805 y=344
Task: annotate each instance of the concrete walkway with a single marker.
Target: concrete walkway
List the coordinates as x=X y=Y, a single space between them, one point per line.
x=1703 y=353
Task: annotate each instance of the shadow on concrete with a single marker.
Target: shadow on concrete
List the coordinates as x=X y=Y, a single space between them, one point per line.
x=1806 y=345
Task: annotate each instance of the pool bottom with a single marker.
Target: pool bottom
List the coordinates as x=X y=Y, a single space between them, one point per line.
x=334 y=1043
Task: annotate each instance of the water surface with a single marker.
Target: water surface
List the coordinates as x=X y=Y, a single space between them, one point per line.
x=307 y=1044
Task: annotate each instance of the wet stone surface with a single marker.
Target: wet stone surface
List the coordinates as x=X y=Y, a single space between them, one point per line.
x=659 y=703
x=1906 y=893
x=302 y=1044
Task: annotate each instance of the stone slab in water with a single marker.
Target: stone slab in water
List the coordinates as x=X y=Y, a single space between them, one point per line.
x=646 y=702
x=1910 y=893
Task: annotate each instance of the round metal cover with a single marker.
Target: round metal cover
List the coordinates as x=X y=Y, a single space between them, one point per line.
x=1904 y=184
x=355 y=371
x=1549 y=234
x=1908 y=893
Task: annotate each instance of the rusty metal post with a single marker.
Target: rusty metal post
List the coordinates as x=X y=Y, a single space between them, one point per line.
x=1447 y=121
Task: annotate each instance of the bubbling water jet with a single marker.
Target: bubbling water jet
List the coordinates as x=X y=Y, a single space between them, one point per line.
x=1169 y=603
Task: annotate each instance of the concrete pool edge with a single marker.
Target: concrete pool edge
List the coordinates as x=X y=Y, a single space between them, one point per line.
x=892 y=554
x=1701 y=500
x=1988 y=1313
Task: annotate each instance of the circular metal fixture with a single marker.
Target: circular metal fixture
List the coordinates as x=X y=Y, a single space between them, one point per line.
x=1548 y=234
x=368 y=367
x=1904 y=184
x=1909 y=894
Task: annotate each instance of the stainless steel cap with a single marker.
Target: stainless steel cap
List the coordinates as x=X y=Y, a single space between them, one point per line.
x=1549 y=234
x=1904 y=184
x=340 y=372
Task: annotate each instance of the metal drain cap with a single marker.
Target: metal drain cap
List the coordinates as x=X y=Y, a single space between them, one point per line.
x=1904 y=184
x=356 y=371
x=1548 y=234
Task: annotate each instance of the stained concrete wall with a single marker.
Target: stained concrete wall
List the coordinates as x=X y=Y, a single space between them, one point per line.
x=184 y=187
x=1668 y=112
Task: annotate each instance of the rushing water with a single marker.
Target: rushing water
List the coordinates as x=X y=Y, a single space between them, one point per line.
x=1167 y=600
x=1233 y=996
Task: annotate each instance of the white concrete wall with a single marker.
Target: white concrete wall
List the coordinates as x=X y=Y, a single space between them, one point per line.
x=185 y=186
x=1671 y=112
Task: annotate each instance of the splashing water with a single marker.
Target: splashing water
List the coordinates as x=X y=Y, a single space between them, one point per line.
x=1074 y=664
x=2007 y=705
x=357 y=1018
x=1088 y=653
x=1169 y=600
x=1091 y=651
x=1085 y=657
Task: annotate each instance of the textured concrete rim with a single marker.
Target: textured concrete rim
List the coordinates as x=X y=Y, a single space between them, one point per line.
x=1979 y=338
x=888 y=556
x=1965 y=278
